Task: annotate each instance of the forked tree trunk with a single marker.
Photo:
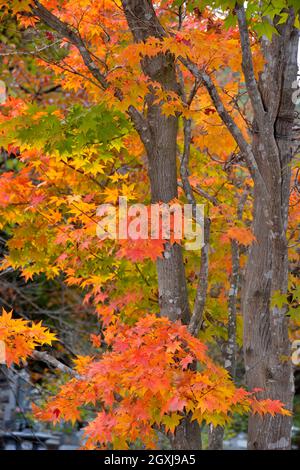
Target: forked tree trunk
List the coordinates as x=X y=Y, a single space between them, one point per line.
x=266 y=341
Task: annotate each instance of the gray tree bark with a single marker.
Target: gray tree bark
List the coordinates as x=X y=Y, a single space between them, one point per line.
x=216 y=433
x=266 y=341
x=159 y=136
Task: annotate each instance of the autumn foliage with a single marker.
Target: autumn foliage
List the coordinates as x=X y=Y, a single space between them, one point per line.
x=147 y=374
x=21 y=337
x=152 y=375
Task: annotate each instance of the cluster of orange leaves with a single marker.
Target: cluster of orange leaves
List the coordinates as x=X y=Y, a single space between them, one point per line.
x=21 y=337
x=152 y=375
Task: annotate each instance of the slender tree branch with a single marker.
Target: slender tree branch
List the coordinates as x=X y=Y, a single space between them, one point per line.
x=53 y=362
x=36 y=51
x=216 y=433
x=206 y=195
x=231 y=348
x=248 y=69
x=229 y=122
x=201 y=293
x=184 y=171
x=65 y=31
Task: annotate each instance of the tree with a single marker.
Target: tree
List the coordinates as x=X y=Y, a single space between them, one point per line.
x=160 y=80
x=266 y=340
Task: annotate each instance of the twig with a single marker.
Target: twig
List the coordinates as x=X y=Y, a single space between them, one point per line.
x=201 y=293
x=52 y=361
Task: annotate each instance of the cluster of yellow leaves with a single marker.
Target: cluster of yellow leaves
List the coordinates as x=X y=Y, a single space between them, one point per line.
x=55 y=218
x=21 y=337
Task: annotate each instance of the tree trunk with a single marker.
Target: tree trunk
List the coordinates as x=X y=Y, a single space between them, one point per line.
x=266 y=341
x=173 y=297
x=216 y=433
x=159 y=135
x=187 y=436
x=215 y=437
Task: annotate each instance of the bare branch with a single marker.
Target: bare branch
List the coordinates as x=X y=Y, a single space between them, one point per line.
x=65 y=31
x=53 y=362
x=231 y=125
x=201 y=294
x=141 y=126
x=206 y=195
x=196 y=318
x=231 y=348
x=36 y=51
x=184 y=172
x=248 y=69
